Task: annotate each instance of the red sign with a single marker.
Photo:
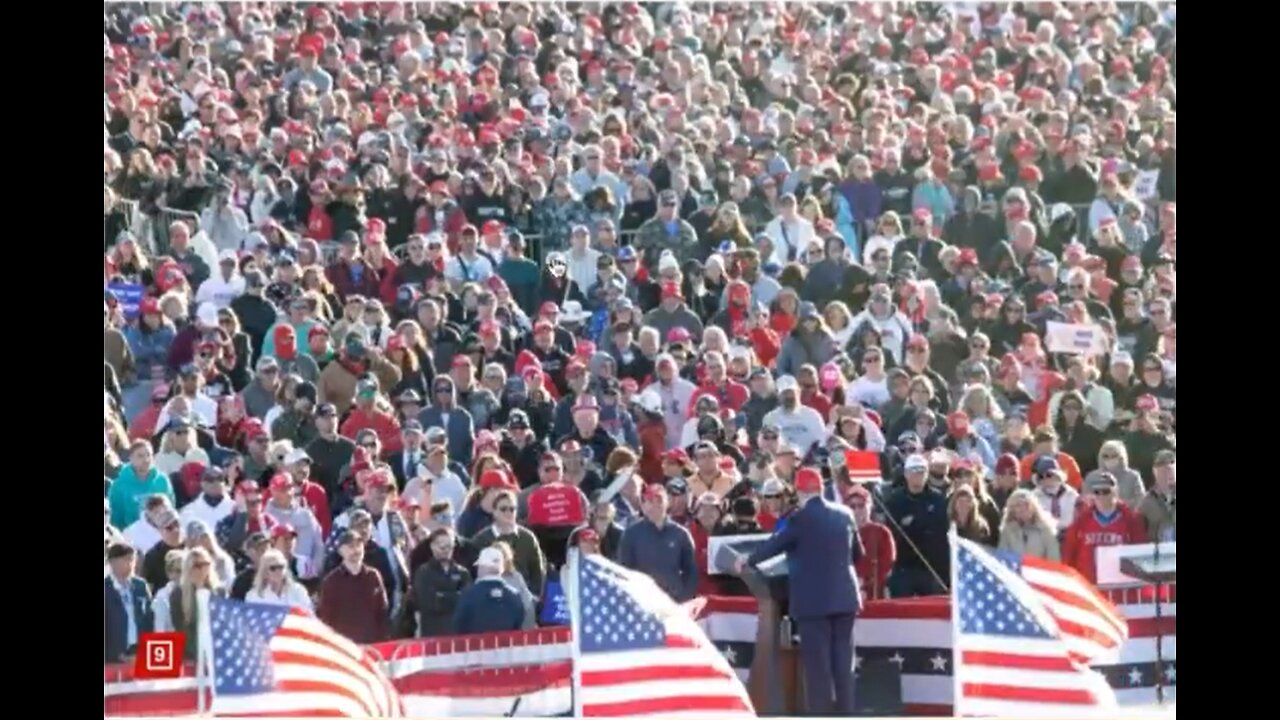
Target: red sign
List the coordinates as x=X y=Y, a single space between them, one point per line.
x=160 y=655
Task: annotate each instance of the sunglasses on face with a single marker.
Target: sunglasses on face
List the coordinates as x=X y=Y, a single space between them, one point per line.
x=369 y=445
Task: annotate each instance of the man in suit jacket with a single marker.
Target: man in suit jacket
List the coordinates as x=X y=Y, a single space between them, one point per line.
x=821 y=542
x=405 y=462
x=127 y=601
x=444 y=412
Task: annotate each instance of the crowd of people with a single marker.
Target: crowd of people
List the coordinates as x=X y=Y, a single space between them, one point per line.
x=404 y=299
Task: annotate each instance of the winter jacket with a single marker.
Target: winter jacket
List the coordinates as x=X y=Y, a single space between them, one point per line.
x=355 y=604
x=437 y=589
x=920 y=528
x=529 y=560
x=653 y=237
x=1029 y=540
x=665 y=554
x=1159 y=516
x=805 y=348
x=338 y=383
x=150 y=348
x=664 y=321
x=310 y=549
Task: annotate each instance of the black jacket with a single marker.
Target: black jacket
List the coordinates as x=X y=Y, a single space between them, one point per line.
x=257 y=316
x=436 y=591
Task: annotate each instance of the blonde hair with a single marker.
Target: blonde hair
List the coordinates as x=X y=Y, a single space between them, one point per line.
x=1117 y=447
x=269 y=558
x=187 y=586
x=994 y=413
x=1039 y=518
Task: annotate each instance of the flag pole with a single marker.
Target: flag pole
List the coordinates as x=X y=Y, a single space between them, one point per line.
x=204 y=658
x=956 y=684
x=575 y=622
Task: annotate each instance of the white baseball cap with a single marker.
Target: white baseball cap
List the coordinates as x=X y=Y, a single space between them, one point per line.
x=490 y=557
x=916 y=463
x=787 y=382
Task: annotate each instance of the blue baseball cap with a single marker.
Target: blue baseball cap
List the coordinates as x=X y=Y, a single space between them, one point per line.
x=626 y=253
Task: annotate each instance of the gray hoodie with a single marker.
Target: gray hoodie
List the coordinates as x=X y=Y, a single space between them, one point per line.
x=664 y=321
x=258 y=400
x=310 y=547
x=1128 y=484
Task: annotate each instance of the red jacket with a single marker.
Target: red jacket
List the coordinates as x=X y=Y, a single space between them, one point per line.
x=731 y=394
x=879 y=554
x=317 y=500
x=1088 y=532
x=387 y=427
x=817 y=401
x=653 y=442
x=143 y=427
x=765 y=342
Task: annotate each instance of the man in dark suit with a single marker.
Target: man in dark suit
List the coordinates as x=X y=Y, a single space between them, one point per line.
x=821 y=542
x=404 y=463
x=127 y=601
x=456 y=421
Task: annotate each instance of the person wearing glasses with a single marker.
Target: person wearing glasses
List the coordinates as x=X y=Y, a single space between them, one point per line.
x=153 y=568
x=528 y=558
x=275 y=585
x=1105 y=521
x=198 y=573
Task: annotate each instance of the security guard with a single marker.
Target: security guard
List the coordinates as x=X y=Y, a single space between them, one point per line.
x=489 y=605
x=821 y=542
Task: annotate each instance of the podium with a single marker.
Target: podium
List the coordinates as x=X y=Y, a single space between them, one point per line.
x=775 y=682
x=1155 y=569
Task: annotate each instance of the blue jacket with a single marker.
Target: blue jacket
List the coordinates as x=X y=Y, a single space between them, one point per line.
x=665 y=555
x=489 y=605
x=117 y=620
x=461 y=430
x=150 y=349
x=821 y=542
x=846 y=225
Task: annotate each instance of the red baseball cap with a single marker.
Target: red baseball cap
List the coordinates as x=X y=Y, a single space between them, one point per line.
x=676 y=455
x=282 y=530
x=808 y=480
x=491 y=226
x=493 y=479
x=280 y=481
x=653 y=491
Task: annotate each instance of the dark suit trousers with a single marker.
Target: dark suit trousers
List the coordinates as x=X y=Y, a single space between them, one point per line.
x=826 y=649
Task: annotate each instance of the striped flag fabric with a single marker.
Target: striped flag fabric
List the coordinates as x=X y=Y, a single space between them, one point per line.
x=277 y=660
x=483 y=675
x=863 y=465
x=637 y=653
x=1024 y=635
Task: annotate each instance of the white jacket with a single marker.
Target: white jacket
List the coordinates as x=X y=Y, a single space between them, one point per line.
x=793 y=243
x=210 y=515
x=220 y=292
x=1066 y=504
x=293 y=595
x=160 y=607
x=1101 y=411
x=142 y=535
x=446 y=486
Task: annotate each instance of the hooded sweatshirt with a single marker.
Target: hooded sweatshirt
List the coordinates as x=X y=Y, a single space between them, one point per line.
x=894 y=327
x=802 y=427
x=676 y=400
x=128 y=493
x=664 y=321
x=310 y=548
x=1129 y=484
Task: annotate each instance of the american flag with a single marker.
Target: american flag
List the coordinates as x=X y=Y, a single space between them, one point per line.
x=276 y=660
x=1025 y=631
x=641 y=654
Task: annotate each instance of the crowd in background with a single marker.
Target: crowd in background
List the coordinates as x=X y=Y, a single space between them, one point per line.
x=401 y=299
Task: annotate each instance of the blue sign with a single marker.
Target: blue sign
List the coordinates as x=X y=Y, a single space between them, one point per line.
x=555 y=604
x=130 y=296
